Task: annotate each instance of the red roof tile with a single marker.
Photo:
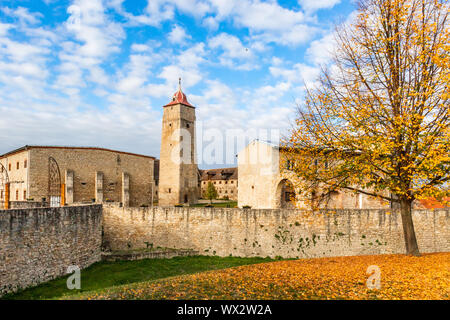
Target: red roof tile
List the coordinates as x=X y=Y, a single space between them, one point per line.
x=179 y=97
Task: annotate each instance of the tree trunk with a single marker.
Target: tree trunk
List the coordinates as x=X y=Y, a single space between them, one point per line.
x=408 y=228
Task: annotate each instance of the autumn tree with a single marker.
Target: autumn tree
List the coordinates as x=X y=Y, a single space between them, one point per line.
x=210 y=192
x=378 y=122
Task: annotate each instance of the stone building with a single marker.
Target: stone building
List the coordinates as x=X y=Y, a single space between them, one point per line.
x=225 y=181
x=178 y=171
x=66 y=175
x=265 y=184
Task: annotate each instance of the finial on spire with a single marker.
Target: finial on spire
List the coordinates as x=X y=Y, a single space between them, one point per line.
x=179 y=96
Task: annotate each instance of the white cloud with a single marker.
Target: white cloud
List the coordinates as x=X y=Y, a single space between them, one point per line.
x=91 y=87
x=139 y=47
x=23 y=15
x=320 y=51
x=231 y=45
x=233 y=51
x=138 y=72
x=313 y=5
x=90 y=25
x=178 y=35
x=266 y=21
x=96 y=37
x=299 y=73
x=4 y=27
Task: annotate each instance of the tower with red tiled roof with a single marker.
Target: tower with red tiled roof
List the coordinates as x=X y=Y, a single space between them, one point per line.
x=178 y=175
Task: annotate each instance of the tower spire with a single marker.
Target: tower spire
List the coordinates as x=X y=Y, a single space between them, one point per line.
x=179 y=96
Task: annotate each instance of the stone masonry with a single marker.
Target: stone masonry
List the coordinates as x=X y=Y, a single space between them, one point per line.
x=87 y=175
x=37 y=245
x=178 y=171
x=289 y=233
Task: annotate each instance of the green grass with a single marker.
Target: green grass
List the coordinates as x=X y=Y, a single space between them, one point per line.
x=229 y=204
x=102 y=275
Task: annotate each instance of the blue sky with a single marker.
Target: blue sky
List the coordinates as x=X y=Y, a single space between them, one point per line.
x=96 y=73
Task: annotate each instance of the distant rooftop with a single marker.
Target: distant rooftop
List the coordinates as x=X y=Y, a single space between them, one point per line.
x=219 y=174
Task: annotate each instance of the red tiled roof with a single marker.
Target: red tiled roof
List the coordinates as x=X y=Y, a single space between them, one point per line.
x=432 y=203
x=179 y=97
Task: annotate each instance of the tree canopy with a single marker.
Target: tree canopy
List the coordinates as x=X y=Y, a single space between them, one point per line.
x=380 y=117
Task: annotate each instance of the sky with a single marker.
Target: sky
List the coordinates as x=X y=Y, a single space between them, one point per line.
x=97 y=73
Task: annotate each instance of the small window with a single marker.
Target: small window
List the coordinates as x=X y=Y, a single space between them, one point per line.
x=187 y=125
x=220 y=182
x=232 y=182
x=170 y=190
x=17 y=195
x=9 y=167
x=24 y=194
x=226 y=182
x=17 y=165
x=25 y=162
x=1 y=194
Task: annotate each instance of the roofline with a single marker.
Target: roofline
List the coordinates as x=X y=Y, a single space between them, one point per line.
x=173 y=104
x=28 y=147
x=219 y=168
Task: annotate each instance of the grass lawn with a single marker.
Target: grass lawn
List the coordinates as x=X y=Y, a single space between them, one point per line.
x=228 y=204
x=402 y=277
x=106 y=274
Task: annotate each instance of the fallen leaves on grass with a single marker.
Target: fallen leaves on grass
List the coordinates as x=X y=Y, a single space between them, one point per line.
x=402 y=277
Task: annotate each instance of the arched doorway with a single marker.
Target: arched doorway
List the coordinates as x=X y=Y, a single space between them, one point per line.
x=54 y=183
x=4 y=188
x=285 y=195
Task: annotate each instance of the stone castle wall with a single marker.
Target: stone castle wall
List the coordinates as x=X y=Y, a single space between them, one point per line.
x=272 y=232
x=37 y=245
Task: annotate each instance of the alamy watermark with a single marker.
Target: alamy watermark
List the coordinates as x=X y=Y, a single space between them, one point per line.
x=221 y=147
x=74 y=281
x=374 y=279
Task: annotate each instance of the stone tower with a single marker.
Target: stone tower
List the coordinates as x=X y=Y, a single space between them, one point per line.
x=178 y=176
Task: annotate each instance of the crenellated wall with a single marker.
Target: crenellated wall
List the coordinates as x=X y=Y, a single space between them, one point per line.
x=37 y=245
x=272 y=232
